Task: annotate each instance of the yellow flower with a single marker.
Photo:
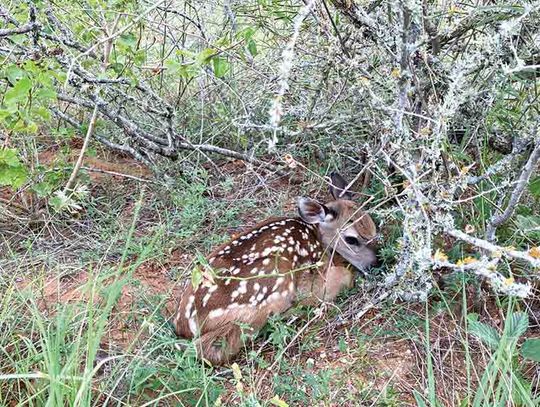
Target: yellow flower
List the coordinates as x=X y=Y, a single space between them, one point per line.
x=465 y=170
x=396 y=73
x=469 y=229
x=453 y=9
x=535 y=252
x=497 y=254
x=508 y=281
x=440 y=256
x=466 y=260
x=425 y=131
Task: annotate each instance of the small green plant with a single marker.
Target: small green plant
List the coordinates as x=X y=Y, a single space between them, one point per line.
x=12 y=171
x=502 y=382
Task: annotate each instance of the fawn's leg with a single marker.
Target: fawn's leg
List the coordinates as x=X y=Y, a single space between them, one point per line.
x=220 y=345
x=223 y=339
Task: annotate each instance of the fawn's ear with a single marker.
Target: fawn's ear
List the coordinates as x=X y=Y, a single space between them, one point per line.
x=312 y=211
x=337 y=189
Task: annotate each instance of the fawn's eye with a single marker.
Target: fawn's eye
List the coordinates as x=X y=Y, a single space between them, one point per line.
x=352 y=241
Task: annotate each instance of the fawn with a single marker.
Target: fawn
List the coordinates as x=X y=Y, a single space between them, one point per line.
x=278 y=263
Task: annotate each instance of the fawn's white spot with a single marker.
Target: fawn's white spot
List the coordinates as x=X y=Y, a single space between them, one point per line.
x=192 y=326
x=274 y=296
x=242 y=287
x=211 y=260
x=206 y=298
x=290 y=249
x=227 y=281
x=216 y=313
x=303 y=252
x=256 y=287
x=189 y=304
x=266 y=262
x=254 y=270
x=279 y=281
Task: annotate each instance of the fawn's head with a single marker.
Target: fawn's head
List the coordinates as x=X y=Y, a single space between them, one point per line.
x=342 y=225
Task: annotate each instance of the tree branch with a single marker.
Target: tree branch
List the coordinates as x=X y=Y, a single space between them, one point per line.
x=497 y=220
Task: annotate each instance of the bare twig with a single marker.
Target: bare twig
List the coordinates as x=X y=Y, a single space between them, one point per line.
x=93 y=118
x=492 y=248
x=523 y=180
x=23 y=29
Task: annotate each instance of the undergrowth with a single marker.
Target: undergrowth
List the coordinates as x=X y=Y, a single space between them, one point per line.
x=62 y=337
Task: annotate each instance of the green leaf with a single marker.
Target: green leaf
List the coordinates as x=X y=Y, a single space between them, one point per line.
x=205 y=55
x=534 y=187
x=13 y=176
x=14 y=73
x=485 y=333
x=19 y=92
x=531 y=349
x=128 y=40
x=46 y=94
x=116 y=67
x=43 y=189
x=56 y=202
x=9 y=157
x=221 y=66
x=419 y=399
x=42 y=112
x=276 y=401
x=196 y=276
x=516 y=325
x=528 y=226
x=12 y=171
x=173 y=67
x=252 y=47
